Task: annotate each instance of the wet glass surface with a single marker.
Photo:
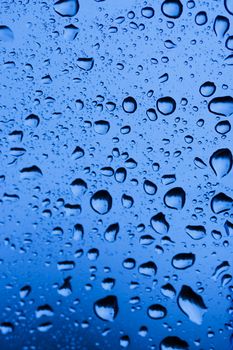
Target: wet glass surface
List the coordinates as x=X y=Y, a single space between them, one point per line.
x=116 y=174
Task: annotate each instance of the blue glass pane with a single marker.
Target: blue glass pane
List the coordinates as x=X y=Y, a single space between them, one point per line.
x=116 y=194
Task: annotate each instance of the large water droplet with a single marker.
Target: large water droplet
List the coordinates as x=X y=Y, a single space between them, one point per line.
x=175 y=198
x=173 y=343
x=221 y=26
x=223 y=127
x=66 y=8
x=166 y=105
x=196 y=232
x=207 y=89
x=191 y=304
x=6 y=34
x=221 y=162
x=78 y=187
x=229 y=6
x=201 y=18
x=111 y=232
x=156 y=311
x=172 y=8
x=221 y=203
x=149 y=187
x=101 y=202
x=129 y=105
x=148 y=269
x=107 y=308
x=147 y=12
x=221 y=105
x=70 y=32
x=101 y=127
x=182 y=261
x=85 y=63
x=159 y=223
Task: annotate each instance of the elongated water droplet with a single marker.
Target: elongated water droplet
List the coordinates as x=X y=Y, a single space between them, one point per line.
x=191 y=304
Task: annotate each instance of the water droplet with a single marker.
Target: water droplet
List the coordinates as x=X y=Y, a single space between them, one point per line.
x=201 y=18
x=221 y=105
x=101 y=202
x=223 y=127
x=25 y=291
x=107 y=308
x=148 y=269
x=191 y=304
x=207 y=89
x=78 y=187
x=156 y=311
x=127 y=201
x=160 y=224
x=173 y=343
x=111 y=232
x=221 y=162
x=149 y=187
x=221 y=26
x=129 y=105
x=120 y=175
x=175 y=198
x=6 y=328
x=229 y=6
x=172 y=8
x=151 y=114
x=183 y=261
x=78 y=232
x=101 y=127
x=32 y=172
x=70 y=32
x=66 y=8
x=196 y=232
x=147 y=12
x=166 y=105
x=85 y=63
x=229 y=43
x=168 y=291
x=6 y=34
x=221 y=203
